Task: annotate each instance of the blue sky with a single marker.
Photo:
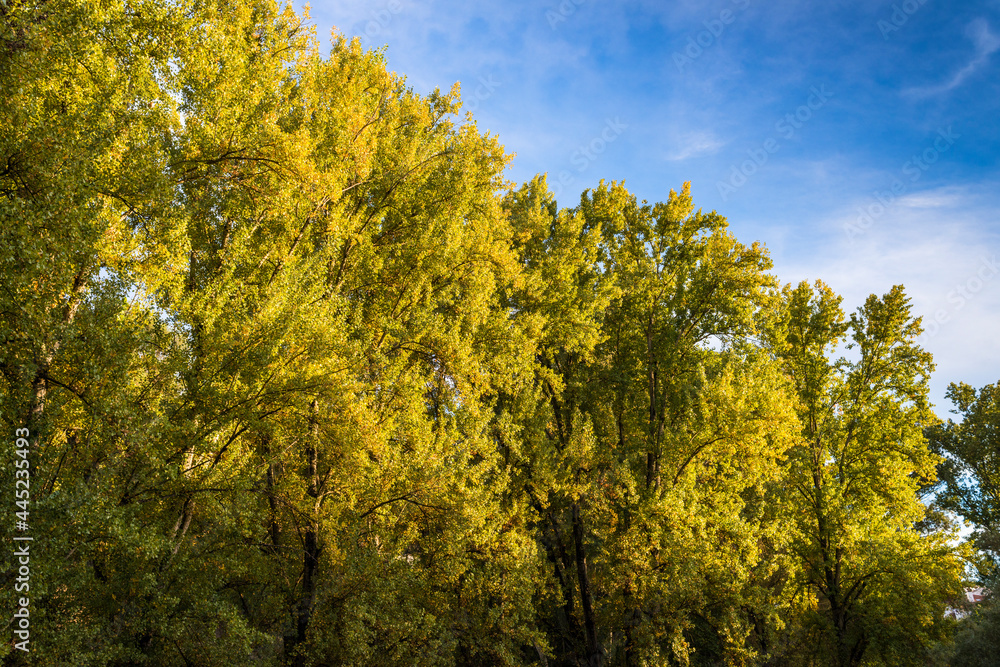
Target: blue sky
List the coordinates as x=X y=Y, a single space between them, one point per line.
x=859 y=140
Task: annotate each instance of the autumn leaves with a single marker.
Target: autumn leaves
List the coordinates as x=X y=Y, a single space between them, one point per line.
x=311 y=376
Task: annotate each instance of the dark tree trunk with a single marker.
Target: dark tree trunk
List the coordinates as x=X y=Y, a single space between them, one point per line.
x=594 y=655
x=310 y=541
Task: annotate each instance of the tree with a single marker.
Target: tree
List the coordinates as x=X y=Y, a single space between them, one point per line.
x=874 y=584
x=641 y=443
x=969 y=471
x=976 y=637
x=256 y=352
x=306 y=383
x=81 y=123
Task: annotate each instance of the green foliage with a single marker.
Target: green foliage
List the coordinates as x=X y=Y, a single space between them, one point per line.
x=308 y=384
x=969 y=470
x=976 y=638
x=872 y=583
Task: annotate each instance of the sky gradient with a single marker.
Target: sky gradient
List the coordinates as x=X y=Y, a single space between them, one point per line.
x=858 y=140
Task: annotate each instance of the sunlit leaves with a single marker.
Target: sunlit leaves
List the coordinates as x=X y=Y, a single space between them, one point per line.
x=855 y=476
x=308 y=384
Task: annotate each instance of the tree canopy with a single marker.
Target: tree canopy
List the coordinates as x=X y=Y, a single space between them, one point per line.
x=308 y=382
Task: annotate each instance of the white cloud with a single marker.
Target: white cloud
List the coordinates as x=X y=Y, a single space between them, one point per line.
x=939 y=198
x=943 y=245
x=985 y=42
x=694 y=144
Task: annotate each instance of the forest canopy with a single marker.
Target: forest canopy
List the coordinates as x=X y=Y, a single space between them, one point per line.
x=306 y=381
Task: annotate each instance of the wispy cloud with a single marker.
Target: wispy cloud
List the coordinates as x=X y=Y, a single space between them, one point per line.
x=985 y=42
x=942 y=198
x=694 y=144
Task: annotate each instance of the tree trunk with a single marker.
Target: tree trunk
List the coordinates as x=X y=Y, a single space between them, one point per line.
x=310 y=541
x=594 y=655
